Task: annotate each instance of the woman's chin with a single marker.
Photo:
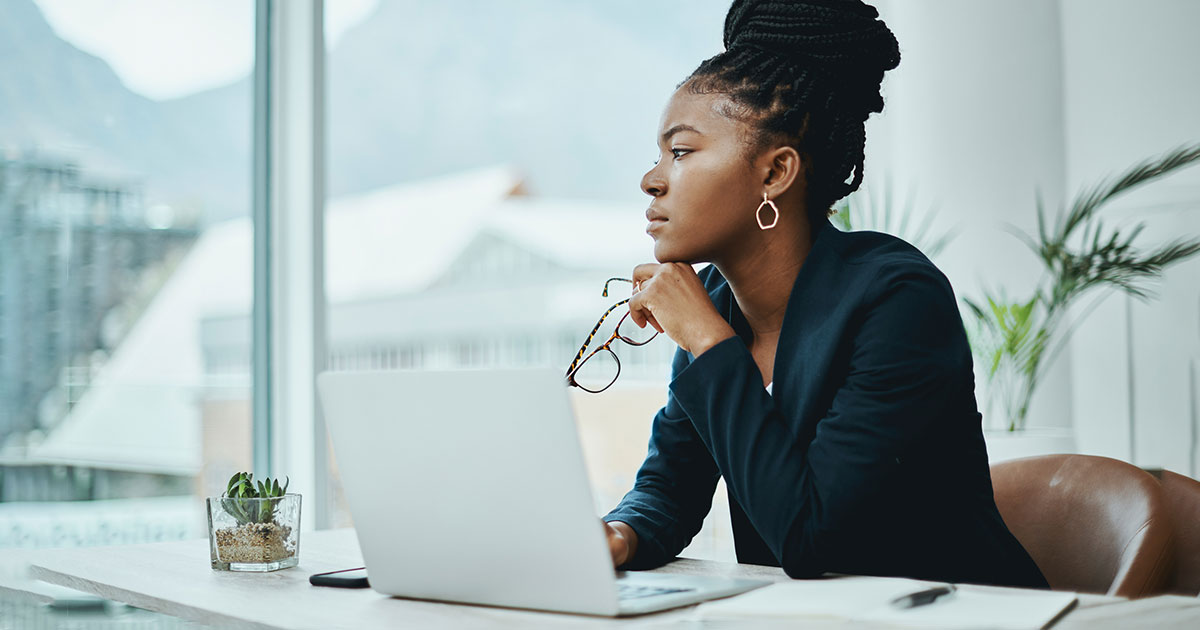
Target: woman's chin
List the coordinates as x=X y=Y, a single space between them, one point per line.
x=662 y=253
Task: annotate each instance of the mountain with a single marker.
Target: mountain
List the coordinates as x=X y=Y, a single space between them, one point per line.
x=56 y=98
x=569 y=92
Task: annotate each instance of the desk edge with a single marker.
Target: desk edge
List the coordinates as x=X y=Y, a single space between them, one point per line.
x=158 y=605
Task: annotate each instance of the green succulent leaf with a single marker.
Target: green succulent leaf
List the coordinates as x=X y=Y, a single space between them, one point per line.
x=242 y=489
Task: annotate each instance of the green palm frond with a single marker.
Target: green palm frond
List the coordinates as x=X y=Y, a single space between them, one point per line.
x=1019 y=333
x=1091 y=200
x=863 y=210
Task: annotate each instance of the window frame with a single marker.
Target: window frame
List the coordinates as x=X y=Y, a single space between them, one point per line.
x=289 y=309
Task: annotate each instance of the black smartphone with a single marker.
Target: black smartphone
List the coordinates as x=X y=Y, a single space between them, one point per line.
x=345 y=578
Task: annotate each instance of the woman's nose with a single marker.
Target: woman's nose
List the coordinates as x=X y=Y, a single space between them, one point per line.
x=653 y=184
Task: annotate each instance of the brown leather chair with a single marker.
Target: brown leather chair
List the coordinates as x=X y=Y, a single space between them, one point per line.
x=1092 y=524
x=1182 y=496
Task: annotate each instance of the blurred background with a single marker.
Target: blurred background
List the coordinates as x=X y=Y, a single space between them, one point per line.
x=482 y=170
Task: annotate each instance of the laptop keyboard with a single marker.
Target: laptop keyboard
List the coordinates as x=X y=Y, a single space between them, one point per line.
x=638 y=591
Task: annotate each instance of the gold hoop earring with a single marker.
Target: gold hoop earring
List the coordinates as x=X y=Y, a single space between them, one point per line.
x=758 y=213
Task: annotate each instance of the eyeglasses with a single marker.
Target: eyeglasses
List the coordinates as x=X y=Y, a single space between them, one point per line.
x=598 y=370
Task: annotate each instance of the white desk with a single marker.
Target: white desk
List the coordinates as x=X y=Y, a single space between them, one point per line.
x=175 y=579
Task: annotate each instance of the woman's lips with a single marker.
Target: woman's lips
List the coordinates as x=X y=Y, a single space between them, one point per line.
x=656 y=220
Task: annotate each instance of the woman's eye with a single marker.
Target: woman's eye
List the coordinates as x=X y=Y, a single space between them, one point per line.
x=677 y=153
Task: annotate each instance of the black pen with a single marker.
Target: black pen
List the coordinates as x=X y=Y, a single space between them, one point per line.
x=920 y=598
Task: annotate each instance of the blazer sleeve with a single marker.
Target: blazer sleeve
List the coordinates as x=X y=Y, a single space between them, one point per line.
x=674 y=487
x=797 y=494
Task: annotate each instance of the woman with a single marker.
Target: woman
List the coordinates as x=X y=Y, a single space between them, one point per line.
x=825 y=375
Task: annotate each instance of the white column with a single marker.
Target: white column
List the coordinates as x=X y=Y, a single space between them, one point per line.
x=1132 y=91
x=297 y=220
x=973 y=120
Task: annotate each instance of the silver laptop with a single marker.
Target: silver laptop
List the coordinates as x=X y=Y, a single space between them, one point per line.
x=470 y=486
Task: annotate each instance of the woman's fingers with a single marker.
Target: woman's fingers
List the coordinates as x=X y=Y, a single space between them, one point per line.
x=642 y=273
x=638 y=311
x=653 y=322
x=671 y=298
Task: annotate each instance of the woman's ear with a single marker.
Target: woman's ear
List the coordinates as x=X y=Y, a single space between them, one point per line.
x=784 y=168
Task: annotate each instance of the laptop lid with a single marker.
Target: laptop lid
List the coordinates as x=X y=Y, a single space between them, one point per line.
x=470 y=486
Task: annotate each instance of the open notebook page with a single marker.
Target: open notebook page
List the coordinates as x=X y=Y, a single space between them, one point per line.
x=868 y=599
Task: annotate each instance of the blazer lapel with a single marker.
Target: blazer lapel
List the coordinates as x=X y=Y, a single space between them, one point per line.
x=798 y=365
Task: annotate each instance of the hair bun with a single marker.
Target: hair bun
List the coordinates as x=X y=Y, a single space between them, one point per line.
x=834 y=39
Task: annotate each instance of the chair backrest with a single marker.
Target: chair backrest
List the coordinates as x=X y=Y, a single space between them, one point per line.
x=1182 y=497
x=1092 y=524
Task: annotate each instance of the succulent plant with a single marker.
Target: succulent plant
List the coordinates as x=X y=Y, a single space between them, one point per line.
x=242 y=489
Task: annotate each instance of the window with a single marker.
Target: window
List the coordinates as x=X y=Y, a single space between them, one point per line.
x=125 y=261
x=489 y=185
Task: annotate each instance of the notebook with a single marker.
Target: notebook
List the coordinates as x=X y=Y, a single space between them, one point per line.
x=868 y=599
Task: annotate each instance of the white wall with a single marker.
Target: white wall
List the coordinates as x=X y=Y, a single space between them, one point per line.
x=1132 y=91
x=995 y=98
x=974 y=120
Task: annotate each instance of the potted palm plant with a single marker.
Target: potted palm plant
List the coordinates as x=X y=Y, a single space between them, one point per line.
x=254 y=526
x=1015 y=339
x=864 y=209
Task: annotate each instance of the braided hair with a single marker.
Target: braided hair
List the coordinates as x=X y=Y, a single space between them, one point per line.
x=806 y=73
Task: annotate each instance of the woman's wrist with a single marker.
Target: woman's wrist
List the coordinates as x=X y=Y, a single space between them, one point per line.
x=711 y=338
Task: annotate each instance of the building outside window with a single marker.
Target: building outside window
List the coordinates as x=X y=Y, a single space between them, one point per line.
x=489 y=185
x=124 y=163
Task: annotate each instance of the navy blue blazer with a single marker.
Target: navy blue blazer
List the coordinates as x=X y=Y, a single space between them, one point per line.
x=867 y=459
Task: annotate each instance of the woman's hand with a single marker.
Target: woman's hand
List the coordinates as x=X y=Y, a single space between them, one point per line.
x=622 y=542
x=671 y=298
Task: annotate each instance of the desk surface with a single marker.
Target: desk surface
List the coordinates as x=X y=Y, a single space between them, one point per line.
x=175 y=579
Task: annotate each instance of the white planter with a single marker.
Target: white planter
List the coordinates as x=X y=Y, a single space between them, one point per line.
x=1003 y=445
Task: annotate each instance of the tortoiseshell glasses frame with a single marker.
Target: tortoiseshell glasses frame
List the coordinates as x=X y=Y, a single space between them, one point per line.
x=579 y=360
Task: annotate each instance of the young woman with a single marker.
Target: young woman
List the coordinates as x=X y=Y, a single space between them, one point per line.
x=825 y=375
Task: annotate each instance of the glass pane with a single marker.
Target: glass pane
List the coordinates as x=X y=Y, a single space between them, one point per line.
x=487 y=188
x=125 y=266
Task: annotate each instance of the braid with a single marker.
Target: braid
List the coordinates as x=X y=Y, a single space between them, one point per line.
x=807 y=73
